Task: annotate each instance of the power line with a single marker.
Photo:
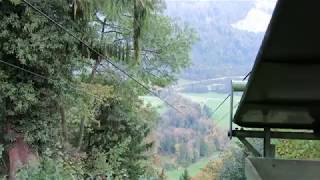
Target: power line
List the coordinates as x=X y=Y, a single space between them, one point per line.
x=52 y=80
x=217 y=108
x=234 y=106
x=221 y=119
x=49 y=79
x=248 y=74
x=98 y=53
x=224 y=116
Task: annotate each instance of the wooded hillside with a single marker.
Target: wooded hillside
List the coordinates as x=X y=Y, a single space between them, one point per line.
x=69 y=93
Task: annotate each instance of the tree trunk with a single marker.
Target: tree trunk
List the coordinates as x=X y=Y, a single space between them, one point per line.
x=81 y=134
x=63 y=123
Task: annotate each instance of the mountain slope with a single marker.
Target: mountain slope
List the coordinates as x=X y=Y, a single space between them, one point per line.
x=222 y=50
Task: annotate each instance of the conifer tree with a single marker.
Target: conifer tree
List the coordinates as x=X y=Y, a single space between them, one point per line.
x=185 y=175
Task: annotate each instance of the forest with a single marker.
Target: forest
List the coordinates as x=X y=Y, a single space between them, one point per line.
x=187 y=137
x=71 y=75
x=86 y=91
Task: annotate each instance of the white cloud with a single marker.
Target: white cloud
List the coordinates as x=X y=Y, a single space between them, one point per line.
x=258 y=18
x=255 y=21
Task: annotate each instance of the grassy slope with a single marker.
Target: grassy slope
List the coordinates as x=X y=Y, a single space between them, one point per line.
x=192 y=169
x=155 y=102
x=212 y=99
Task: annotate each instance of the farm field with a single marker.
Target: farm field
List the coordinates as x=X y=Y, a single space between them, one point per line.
x=212 y=100
x=193 y=169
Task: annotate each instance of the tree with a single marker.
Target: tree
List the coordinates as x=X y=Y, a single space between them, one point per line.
x=203 y=148
x=66 y=101
x=138 y=11
x=298 y=149
x=229 y=166
x=185 y=175
x=167 y=144
x=31 y=102
x=122 y=124
x=207 y=111
x=162 y=175
x=184 y=155
x=233 y=164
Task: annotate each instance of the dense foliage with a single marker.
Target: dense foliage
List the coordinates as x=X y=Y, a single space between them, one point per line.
x=185 y=175
x=187 y=135
x=81 y=115
x=298 y=149
x=229 y=166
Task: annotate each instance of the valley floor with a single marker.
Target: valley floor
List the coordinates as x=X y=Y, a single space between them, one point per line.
x=193 y=169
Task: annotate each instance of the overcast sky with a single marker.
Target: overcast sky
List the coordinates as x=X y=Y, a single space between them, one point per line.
x=257 y=19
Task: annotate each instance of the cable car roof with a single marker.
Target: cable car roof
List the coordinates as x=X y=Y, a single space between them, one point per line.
x=283 y=90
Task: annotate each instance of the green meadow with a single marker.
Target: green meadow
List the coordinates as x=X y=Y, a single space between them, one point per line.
x=193 y=169
x=212 y=100
x=155 y=102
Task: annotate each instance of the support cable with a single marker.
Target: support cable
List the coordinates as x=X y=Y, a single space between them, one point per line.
x=100 y=54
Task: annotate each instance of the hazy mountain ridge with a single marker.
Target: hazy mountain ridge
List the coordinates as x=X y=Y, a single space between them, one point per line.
x=222 y=50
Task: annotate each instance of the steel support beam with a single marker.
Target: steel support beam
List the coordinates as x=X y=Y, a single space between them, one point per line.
x=231 y=109
x=268 y=148
x=249 y=146
x=275 y=135
x=236 y=86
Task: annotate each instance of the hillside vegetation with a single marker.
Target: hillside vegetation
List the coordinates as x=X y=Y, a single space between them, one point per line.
x=222 y=50
x=69 y=93
x=186 y=138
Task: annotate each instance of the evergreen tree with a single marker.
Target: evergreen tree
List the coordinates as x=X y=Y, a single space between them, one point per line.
x=67 y=101
x=203 y=148
x=162 y=175
x=185 y=175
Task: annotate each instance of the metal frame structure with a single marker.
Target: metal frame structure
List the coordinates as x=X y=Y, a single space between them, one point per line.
x=281 y=99
x=266 y=133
